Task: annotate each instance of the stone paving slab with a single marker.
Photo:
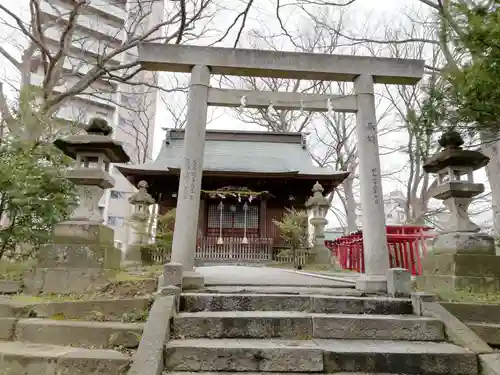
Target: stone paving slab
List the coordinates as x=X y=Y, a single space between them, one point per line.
x=263 y=276
x=295 y=324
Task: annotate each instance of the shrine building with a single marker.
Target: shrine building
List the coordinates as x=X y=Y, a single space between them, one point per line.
x=249 y=179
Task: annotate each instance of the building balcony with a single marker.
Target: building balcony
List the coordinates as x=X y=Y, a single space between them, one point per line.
x=93 y=24
x=83 y=44
x=80 y=111
x=91 y=94
x=115 y=12
x=74 y=64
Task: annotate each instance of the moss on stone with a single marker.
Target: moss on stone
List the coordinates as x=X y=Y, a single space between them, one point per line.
x=463 y=295
x=59 y=316
x=466 y=296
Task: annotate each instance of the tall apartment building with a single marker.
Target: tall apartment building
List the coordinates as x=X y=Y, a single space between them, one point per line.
x=394 y=211
x=130 y=109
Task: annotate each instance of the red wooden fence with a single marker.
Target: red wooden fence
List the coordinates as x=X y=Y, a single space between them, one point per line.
x=406 y=245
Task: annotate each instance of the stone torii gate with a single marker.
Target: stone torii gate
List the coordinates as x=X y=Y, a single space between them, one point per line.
x=201 y=62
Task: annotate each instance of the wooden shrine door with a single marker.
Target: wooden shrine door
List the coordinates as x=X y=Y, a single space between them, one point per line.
x=232 y=218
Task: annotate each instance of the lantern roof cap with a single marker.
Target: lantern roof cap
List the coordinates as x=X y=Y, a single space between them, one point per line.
x=141 y=196
x=97 y=139
x=98 y=126
x=453 y=155
x=317 y=198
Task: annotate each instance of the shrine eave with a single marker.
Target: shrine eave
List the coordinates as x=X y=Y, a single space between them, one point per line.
x=134 y=173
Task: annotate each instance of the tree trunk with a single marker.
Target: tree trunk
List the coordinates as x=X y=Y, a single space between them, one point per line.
x=491 y=148
x=350 y=204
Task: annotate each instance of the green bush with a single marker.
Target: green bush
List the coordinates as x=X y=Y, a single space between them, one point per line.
x=294 y=230
x=34 y=195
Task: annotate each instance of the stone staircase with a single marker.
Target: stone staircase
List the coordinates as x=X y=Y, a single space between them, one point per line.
x=255 y=333
x=70 y=338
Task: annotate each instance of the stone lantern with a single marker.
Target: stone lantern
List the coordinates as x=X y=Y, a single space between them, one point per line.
x=82 y=248
x=461 y=256
x=141 y=202
x=319 y=206
x=93 y=152
x=454 y=168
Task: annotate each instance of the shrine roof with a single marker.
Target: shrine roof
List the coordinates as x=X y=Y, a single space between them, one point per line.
x=239 y=152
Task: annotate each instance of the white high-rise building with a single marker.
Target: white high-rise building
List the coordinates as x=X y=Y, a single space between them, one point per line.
x=394 y=208
x=130 y=109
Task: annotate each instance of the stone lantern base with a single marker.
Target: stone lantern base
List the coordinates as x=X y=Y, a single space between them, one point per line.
x=461 y=261
x=132 y=257
x=323 y=255
x=78 y=260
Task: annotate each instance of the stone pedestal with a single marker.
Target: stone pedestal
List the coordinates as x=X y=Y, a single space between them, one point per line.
x=80 y=258
x=398 y=282
x=322 y=255
x=174 y=276
x=192 y=280
x=132 y=256
x=464 y=243
x=461 y=261
x=471 y=273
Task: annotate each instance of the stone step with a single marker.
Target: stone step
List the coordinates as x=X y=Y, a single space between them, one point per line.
x=330 y=356
x=108 y=309
x=83 y=334
x=243 y=355
x=291 y=290
x=193 y=302
x=35 y=359
x=303 y=325
x=7 y=327
x=489 y=332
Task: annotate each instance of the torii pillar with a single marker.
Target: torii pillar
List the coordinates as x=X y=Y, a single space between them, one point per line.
x=188 y=197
